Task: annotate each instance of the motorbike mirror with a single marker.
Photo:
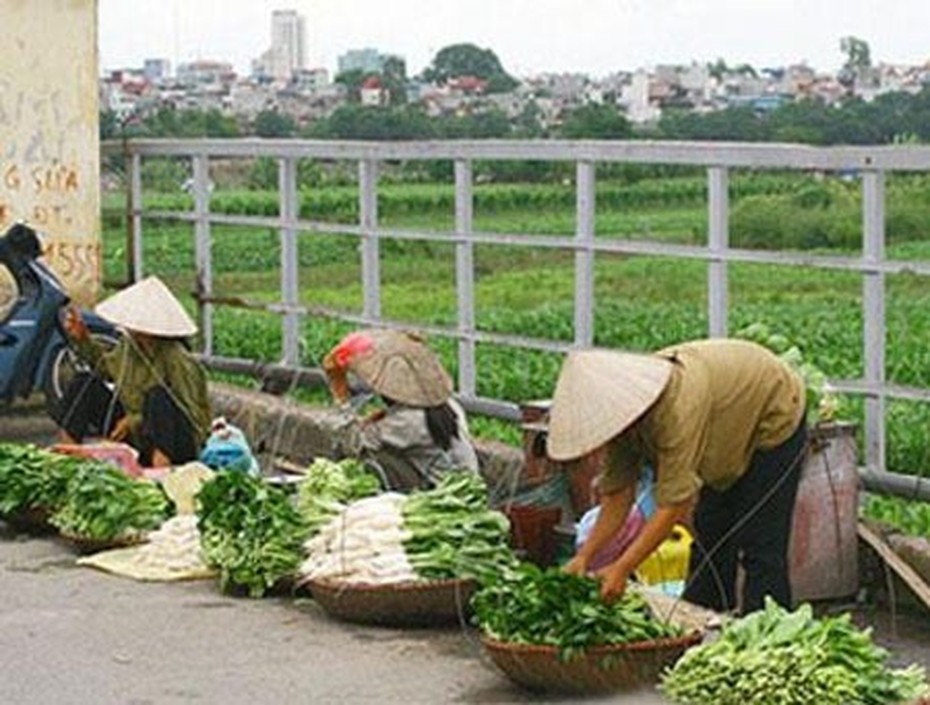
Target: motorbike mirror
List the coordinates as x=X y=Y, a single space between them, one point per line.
x=24 y=241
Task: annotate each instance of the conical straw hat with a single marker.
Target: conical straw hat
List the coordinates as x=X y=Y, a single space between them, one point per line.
x=401 y=367
x=148 y=306
x=599 y=394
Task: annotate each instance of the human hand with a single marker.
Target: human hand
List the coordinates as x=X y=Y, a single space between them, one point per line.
x=613 y=582
x=74 y=324
x=336 y=377
x=120 y=430
x=375 y=416
x=578 y=565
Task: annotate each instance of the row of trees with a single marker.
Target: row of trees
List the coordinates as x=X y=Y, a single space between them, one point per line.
x=450 y=62
x=890 y=118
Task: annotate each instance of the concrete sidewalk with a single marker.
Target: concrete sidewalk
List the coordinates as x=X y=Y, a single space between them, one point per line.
x=70 y=634
x=25 y=421
x=74 y=635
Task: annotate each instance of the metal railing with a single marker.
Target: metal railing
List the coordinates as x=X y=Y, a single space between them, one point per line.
x=871 y=163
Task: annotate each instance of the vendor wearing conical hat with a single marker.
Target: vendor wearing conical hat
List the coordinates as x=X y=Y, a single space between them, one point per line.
x=421 y=432
x=722 y=423
x=149 y=390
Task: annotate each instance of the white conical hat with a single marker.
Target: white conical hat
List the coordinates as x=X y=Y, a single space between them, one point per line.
x=148 y=306
x=598 y=395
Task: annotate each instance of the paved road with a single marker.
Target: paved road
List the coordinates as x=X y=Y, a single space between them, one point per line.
x=74 y=635
x=70 y=634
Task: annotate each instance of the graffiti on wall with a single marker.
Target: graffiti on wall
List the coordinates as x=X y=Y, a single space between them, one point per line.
x=48 y=137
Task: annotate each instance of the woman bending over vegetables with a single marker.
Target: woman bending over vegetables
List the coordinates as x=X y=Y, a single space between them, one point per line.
x=722 y=424
x=421 y=432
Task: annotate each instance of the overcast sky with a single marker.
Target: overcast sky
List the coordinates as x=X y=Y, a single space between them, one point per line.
x=529 y=36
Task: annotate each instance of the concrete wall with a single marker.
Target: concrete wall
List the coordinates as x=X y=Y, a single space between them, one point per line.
x=49 y=138
x=282 y=428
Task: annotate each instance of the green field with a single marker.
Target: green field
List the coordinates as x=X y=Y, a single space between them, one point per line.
x=642 y=303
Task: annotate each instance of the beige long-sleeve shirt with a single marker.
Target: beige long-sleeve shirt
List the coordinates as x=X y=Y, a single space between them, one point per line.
x=725 y=400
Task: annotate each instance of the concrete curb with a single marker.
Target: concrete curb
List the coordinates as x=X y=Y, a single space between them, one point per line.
x=282 y=427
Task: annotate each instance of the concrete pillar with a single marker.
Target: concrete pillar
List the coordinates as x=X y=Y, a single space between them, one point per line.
x=49 y=135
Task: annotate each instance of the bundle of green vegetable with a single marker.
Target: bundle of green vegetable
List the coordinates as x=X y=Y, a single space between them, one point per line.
x=776 y=656
x=453 y=533
x=249 y=530
x=909 y=516
x=328 y=485
x=822 y=402
x=32 y=478
x=529 y=605
x=443 y=533
x=103 y=503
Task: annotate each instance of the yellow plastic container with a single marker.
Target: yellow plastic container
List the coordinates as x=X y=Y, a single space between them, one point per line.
x=669 y=562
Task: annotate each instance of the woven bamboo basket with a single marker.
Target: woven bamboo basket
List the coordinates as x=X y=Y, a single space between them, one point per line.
x=599 y=669
x=86 y=546
x=33 y=520
x=423 y=604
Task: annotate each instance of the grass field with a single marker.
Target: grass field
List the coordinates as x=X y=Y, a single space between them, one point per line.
x=642 y=303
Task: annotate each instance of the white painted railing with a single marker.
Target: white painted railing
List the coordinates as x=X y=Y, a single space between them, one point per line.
x=871 y=163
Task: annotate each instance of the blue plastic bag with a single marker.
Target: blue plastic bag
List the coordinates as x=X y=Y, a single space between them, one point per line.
x=228 y=449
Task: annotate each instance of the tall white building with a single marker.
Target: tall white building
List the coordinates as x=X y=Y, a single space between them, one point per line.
x=288 y=51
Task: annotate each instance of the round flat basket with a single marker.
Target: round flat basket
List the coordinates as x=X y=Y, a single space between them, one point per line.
x=85 y=546
x=599 y=669
x=427 y=603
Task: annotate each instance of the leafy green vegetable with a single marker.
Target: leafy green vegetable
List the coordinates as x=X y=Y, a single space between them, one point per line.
x=102 y=503
x=529 y=605
x=776 y=656
x=249 y=530
x=329 y=485
x=910 y=516
x=453 y=532
x=822 y=402
x=32 y=478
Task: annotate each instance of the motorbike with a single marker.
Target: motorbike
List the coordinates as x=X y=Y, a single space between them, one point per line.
x=35 y=353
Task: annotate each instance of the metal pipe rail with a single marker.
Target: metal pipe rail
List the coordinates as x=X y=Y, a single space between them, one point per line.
x=718 y=158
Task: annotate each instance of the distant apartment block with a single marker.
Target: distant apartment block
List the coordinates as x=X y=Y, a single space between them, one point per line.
x=204 y=72
x=365 y=60
x=156 y=70
x=288 y=50
x=309 y=80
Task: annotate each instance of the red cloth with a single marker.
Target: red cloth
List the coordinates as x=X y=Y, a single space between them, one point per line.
x=623 y=538
x=120 y=455
x=351 y=346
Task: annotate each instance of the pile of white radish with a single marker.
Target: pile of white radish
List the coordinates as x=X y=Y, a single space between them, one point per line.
x=362 y=544
x=174 y=546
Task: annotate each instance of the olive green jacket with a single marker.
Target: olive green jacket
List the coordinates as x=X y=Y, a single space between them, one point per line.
x=135 y=371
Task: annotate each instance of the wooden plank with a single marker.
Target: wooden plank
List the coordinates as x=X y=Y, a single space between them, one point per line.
x=896 y=563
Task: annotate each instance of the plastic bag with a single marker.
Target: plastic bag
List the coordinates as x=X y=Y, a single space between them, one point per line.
x=643 y=508
x=228 y=449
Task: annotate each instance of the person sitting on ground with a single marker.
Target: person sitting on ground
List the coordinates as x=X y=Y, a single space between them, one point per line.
x=421 y=433
x=149 y=391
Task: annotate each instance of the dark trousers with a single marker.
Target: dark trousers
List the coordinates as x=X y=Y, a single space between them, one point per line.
x=748 y=524
x=90 y=408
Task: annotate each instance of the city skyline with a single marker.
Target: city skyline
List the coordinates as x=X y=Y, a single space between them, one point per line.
x=530 y=37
